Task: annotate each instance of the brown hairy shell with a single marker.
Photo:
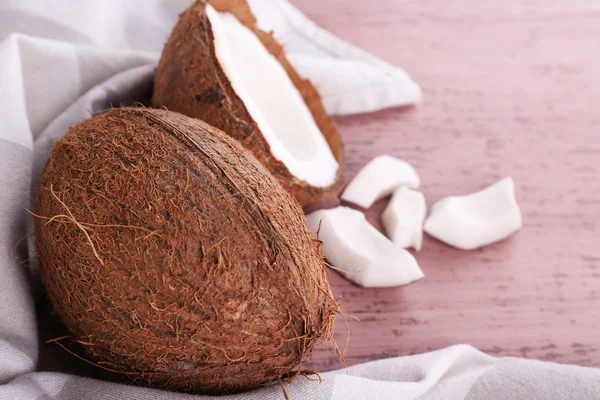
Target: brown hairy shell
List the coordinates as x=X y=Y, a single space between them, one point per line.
x=175 y=258
x=189 y=80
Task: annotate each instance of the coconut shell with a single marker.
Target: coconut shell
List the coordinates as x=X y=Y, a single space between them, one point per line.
x=190 y=80
x=175 y=258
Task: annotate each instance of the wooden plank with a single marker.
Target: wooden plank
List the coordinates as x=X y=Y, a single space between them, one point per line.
x=510 y=89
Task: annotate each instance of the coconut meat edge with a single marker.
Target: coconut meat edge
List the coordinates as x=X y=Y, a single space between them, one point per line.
x=272 y=100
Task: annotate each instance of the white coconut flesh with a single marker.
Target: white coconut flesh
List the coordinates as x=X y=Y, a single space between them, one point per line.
x=403 y=218
x=272 y=101
x=379 y=178
x=478 y=219
x=353 y=245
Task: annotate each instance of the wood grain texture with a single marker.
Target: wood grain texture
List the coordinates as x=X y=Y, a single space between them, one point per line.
x=510 y=89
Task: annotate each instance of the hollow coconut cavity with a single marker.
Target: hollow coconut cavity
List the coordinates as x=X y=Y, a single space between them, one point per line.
x=175 y=258
x=217 y=66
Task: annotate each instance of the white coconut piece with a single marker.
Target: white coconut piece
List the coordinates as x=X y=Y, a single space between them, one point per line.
x=403 y=218
x=475 y=220
x=351 y=244
x=379 y=178
x=272 y=100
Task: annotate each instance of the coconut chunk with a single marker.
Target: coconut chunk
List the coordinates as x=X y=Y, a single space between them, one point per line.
x=353 y=245
x=379 y=178
x=403 y=218
x=475 y=220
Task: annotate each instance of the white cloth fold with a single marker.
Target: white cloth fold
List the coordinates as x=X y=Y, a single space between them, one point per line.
x=62 y=61
x=349 y=79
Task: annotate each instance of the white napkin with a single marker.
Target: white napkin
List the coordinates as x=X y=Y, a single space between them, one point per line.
x=349 y=79
x=71 y=59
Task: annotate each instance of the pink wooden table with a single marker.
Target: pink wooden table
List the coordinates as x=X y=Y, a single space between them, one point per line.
x=510 y=89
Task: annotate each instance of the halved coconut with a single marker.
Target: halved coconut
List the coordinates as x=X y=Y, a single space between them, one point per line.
x=219 y=67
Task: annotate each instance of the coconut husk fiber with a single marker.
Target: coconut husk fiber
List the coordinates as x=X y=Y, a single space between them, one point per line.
x=190 y=80
x=174 y=258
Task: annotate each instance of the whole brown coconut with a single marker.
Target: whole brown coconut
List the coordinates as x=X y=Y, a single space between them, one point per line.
x=190 y=80
x=175 y=258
